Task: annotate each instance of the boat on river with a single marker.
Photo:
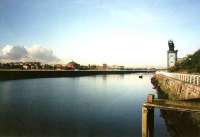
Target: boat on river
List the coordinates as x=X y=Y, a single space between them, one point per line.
x=140 y=76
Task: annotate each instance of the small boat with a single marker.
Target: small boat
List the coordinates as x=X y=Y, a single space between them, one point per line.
x=140 y=76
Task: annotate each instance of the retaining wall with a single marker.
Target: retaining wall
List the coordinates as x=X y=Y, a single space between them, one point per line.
x=176 y=89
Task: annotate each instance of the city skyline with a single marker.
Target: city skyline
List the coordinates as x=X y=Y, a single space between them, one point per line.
x=129 y=33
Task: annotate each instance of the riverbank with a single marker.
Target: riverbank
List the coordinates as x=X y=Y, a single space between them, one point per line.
x=172 y=89
x=25 y=74
x=175 y=89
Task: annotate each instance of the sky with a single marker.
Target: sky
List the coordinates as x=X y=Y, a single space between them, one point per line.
x=117 y=32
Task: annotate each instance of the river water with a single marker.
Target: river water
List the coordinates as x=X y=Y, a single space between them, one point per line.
x=91 y=106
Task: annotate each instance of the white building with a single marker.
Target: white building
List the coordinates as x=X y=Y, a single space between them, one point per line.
x=171 y=54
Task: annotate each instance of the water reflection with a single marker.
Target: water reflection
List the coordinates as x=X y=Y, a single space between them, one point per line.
x=104 y=77
x=180 y=124
x=116 y=77
x=93 y=106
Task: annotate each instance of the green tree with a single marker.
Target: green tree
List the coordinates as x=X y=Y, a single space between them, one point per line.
x=190 y=64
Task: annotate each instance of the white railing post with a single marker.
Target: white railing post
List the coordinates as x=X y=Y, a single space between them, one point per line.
x=191 y=79
x=188 y=78
x=195 y=80
x=198 y=81
x=184 y=78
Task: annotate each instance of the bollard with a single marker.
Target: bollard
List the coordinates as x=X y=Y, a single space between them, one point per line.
x=150 y=98
x=144 y=122
x=148 y=118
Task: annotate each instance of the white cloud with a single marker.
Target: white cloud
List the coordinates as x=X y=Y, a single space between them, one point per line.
x=14 y=52
x=42 y=54
x=11 y=53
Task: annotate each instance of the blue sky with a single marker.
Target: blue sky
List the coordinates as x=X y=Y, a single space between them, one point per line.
x=124 y=32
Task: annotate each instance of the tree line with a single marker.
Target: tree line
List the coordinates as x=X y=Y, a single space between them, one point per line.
x=189 y=64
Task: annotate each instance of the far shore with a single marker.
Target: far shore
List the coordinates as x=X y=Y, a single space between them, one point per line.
x=26 y=74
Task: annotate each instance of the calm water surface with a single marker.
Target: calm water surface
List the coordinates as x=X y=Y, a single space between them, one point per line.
x=93 y=106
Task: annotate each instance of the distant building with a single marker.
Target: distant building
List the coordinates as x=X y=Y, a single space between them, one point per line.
x=121 y=67
x=115 y=67
x=58 y=67
x=99 y=67
x=181 y=59
x=105 y=66
x=102 y=68
x=25 y=67
x=92 y=67
x=171 y=54
x=73 y=65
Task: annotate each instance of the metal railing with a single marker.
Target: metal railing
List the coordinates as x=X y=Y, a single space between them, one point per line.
x=188 y=78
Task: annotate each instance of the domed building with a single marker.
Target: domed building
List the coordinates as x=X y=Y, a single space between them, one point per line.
x=73 y=65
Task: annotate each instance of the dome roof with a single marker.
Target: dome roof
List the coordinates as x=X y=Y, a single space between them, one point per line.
x=72 y=63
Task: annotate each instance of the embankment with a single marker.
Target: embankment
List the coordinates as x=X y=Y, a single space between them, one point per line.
x=175 y=89
x=24 y=74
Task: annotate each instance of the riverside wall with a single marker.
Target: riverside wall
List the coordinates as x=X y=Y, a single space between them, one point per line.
x=176 y=89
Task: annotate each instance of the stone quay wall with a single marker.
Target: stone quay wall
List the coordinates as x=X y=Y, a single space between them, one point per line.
x=177 y=86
